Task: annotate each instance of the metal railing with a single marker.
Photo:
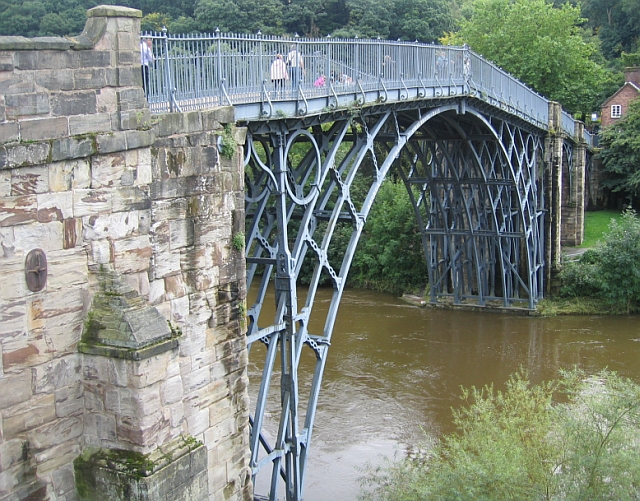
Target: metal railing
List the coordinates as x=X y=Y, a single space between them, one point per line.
x=200 y=71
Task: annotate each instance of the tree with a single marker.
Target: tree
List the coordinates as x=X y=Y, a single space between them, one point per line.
x=539 y=44
x=422 y=20
x=390 y=254
x=240 y=16
x=620 y=152
x=521 y=444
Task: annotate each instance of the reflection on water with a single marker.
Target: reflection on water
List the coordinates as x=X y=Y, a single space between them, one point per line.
x=394 y=372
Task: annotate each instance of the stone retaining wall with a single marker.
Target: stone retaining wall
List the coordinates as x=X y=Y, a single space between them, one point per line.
x=135 y=216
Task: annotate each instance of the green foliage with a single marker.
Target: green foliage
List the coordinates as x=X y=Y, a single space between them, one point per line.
x=620 y=152
x=611 y=271
x=522 y=444
x=596 y=224
x=539 y=44
x=238 y=241
x=619 y=262
x=229 y=145
x=581 y=278
x=390 y=253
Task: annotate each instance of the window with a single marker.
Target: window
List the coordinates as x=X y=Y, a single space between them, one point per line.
x=616 y=110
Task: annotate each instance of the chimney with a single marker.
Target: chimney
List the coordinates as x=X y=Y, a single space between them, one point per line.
x=632 y=74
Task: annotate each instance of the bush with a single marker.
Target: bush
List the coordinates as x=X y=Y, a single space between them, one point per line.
x=521 y=444
x=610 y=271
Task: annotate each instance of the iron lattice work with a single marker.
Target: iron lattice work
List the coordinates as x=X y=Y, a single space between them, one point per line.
x=475 y=184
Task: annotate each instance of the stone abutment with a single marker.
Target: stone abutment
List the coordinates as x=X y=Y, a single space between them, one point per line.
x=122 y=355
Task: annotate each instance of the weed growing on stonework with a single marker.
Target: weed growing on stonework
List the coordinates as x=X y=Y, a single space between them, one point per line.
x=228 y=144
x=238 y=241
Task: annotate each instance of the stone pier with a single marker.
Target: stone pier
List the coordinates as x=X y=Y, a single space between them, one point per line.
x=122 y=356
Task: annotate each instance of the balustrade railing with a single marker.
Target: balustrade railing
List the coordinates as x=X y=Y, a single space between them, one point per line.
x=199 y=71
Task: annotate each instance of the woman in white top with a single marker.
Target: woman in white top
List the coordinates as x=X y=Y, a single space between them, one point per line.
x=279 y=73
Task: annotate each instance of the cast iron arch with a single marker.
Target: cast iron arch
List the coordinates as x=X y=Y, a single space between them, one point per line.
x=473 y=179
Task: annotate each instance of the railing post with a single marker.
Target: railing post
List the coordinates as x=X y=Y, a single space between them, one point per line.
x=356 y=64
x=219 y=64
x=167 y=70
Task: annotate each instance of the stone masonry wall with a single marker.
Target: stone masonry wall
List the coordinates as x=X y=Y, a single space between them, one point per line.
x=88 y=176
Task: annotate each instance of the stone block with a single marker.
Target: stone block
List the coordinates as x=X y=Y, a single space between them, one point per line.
x=15 y=388
x=5 y=183
x=7 y=243
x=181 y=233
x=6 y=61
x=28 y=415
x=29 y=180
x=90 y=78
x=18 y=210
x=56 y=457
x=89 y=124
x=9 y=132
x=94 y=58
x=20 y=155
x=90 y=202
x=140 y=138
x=130 y=199
x=133 y=254
x=179 y=309
x=48 y=236
x=63 y=176
x=172 y=390
x=175 y=287
x=114 y=225
x=134 y=119
x=70 y=400
x=72 y=229
x=71 y=148
x=56 y=374
x=40 y=129
x=63 y=481
x=99 y=427
x=22 y=105
x=128 y=76
x=12 y=452
x=138 y=282
x=73 y=103
x=114 y=371
x=111 y=143
x=131 y=99
x=169 y=124
x=54 y=80
x=222 y=115
x=156 y=292
x=55 y=433
x=46 y=60
x=162 y=210
x=106 y=170
x=100 y=252
x=106 y=100
x=56 y=206
x=148 y=372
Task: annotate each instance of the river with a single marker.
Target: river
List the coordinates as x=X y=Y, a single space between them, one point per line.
x=395 y=370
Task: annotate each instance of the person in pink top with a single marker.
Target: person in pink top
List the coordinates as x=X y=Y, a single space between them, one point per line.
x=279 y=74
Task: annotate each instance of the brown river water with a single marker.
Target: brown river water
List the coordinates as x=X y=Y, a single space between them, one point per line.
x=395 y=370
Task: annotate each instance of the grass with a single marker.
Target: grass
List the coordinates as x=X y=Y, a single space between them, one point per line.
x=596 y=224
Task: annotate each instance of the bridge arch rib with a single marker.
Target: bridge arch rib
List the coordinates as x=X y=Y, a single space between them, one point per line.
x=474 y=181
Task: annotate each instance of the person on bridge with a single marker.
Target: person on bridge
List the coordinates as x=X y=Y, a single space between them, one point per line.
x=296 y=63
x=146 y=57
x=279 y=75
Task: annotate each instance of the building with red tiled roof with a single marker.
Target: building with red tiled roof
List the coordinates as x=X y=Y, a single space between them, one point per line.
x=617 y=105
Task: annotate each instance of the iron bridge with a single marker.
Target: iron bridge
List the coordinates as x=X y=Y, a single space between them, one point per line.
x=466 y=139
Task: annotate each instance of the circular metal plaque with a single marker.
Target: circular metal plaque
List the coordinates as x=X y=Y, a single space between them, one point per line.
x=35 y=270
